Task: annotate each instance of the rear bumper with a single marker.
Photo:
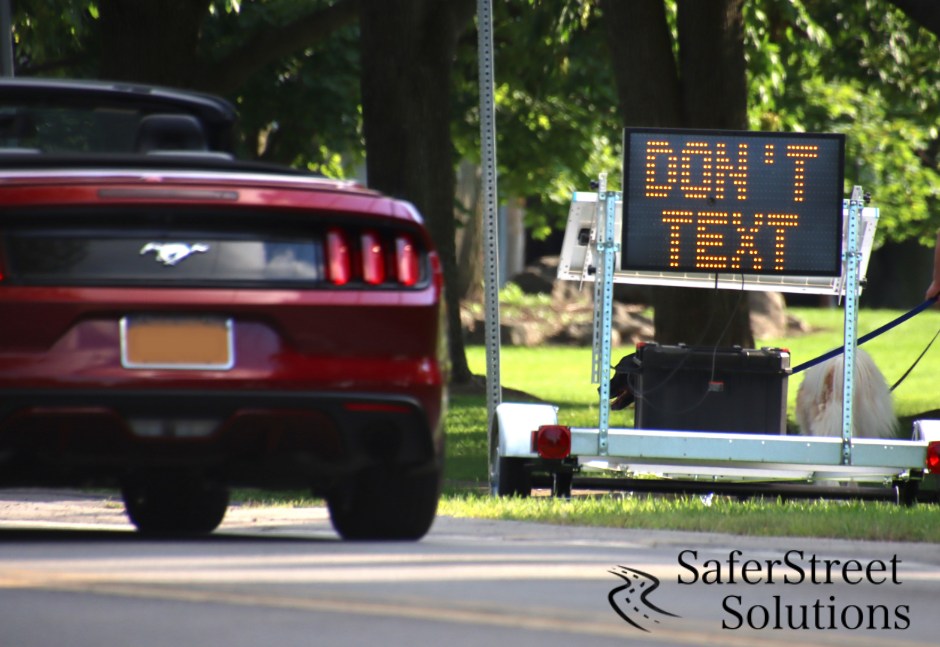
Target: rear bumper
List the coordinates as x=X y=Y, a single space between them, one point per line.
x=244 y=438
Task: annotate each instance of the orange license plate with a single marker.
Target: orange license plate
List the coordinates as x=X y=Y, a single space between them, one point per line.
x=186 y=343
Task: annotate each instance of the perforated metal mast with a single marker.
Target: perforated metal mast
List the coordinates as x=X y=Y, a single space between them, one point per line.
x=607 y=249
x=851 y=313
x=591 y=262
x=490 y=227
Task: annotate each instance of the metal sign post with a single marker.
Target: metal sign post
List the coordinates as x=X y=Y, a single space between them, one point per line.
x=851 y=317
x=490 y=230
x=591 y=261
x=607 y=249
x=6 y=44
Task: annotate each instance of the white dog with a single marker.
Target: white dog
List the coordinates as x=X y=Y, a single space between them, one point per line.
x=819 y=400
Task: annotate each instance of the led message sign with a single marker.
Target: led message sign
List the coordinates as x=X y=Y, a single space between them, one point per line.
x=732 y=202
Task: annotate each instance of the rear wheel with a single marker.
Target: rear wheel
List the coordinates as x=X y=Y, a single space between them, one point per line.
x=388 y=502
x=175 y=504
x=513 y=479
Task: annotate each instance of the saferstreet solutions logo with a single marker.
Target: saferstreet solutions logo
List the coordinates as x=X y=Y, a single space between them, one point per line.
x=630 y=600
x=793 y=568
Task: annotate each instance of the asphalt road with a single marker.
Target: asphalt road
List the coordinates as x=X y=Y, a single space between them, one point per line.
x=72 y=573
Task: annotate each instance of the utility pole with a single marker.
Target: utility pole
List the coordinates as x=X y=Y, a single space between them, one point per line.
x=490 y=229
x=6 y=38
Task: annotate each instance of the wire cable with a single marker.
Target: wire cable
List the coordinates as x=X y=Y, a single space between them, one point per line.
x=640 y=395
x=864 y=338
x=737 y=304
x=683 y=360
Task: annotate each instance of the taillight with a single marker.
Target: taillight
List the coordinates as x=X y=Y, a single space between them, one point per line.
x=933 y=457
x=373 y=258
x=407 y=259
x=553 y=441
x=337 y=256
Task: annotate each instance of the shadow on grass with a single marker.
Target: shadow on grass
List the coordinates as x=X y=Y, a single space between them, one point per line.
x=472 y=400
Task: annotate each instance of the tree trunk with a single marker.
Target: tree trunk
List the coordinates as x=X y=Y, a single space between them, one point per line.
x=706 y=89
x=644 y=66
x=407 y=53
x=714 y=95
x=711 y=60
x=470 y=236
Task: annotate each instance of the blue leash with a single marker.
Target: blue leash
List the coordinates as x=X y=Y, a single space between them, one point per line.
x=864 y=338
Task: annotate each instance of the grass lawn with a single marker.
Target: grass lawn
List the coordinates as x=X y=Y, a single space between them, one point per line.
x=562 y=376
x=835 y=519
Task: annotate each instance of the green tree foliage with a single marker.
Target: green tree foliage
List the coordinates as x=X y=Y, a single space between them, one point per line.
x=300 y=107
x=864 y=69
x=54 y=38
x=557 y=119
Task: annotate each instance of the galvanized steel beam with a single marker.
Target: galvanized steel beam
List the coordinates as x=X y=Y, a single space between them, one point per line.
x=490 y=229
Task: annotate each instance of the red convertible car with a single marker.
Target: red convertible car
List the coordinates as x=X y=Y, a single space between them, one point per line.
x=175 y=322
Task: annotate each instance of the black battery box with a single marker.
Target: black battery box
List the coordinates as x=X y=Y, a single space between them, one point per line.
x=706 y=389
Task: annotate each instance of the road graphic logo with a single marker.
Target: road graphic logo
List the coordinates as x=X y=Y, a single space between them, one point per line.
x=630 y=600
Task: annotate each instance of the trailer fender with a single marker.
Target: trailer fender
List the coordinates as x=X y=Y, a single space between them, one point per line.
x=517 y=421
x=928 y=430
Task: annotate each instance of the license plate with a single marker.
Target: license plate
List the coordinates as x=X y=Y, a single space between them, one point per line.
x=184 y=343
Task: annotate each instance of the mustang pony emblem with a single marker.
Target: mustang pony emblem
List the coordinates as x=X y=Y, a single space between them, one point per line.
x=173 y=253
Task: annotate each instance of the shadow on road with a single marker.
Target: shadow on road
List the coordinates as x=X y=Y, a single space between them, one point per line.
x=33 y=535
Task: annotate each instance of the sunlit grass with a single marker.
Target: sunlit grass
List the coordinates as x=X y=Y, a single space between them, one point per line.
x=756 y=517
x=836 y=519
x=253 y=498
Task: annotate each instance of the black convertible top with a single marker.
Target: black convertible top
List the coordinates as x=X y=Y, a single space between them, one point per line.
x=216 y=115
x=164 y=161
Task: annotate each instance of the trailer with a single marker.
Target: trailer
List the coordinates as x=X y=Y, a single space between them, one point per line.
x=686 y=194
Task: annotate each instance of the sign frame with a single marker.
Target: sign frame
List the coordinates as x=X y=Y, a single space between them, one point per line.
x=831 y=265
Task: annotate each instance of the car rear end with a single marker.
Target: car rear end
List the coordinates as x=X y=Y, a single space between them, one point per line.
x=174 y=331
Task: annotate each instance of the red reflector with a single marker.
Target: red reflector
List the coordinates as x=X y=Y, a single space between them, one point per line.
x=373 y=258
x=376 y=406
x=554 y=441
x=407 y=257
x=337 y=256
x=933 y=457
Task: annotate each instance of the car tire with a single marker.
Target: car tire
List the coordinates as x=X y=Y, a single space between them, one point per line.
x=175 y=504
x=388 y=502
x=513 y=480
